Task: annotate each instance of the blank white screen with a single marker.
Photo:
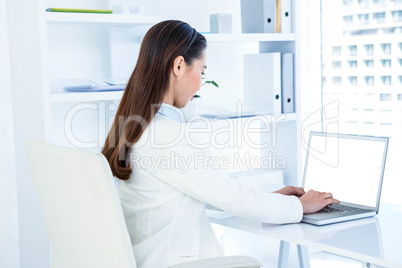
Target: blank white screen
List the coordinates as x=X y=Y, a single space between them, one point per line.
x=350 y=169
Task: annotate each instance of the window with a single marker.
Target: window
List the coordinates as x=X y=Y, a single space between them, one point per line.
x=379 y=17
x=369 y=80
x=369 y=49
x=336 y=64
x=385 y=113
x=369 y=98
x=386 y=80
x=348 y=20
x=348 y=5
x=364 y=19
x=352 y=64
x=336 y=51
x=397 y=16
x=379 y=3
x=352 y=80
x=385 y=97
x=386 y=63
x=369 y=63
x=336 y=81
x=364 y=4
x=352 y=50
x=386 y=49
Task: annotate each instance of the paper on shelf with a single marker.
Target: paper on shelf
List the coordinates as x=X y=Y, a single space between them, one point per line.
x=87 y=85
x=223 y=113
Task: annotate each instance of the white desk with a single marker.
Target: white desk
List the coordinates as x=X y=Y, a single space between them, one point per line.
x=375 y=241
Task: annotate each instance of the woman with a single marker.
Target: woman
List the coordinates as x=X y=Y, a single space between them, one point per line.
x=164 y=204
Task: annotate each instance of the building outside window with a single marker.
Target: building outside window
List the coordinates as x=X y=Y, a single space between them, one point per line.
x=366 y=70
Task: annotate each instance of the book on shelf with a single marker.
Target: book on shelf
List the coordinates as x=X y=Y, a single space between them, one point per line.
x=231 y=112
x=262 y=81
x=76 y=10
x=287 y=75
x=266 y=16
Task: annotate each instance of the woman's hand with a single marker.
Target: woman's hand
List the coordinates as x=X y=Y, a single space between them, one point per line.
x=290 y=190
x=314 y=201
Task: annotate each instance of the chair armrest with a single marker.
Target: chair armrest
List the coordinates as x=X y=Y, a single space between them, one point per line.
x=221 y=262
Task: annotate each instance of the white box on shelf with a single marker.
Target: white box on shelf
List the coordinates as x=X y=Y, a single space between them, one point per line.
x=221 y=23
x=262 y=82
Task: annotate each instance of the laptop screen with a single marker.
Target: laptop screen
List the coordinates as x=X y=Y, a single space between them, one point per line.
x=351 y=167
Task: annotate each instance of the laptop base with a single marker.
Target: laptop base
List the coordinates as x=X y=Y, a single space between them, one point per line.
x=323 y=218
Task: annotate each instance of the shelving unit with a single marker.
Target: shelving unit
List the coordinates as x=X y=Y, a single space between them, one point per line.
x=92 y=46
x=250 y=37
x=119 y=38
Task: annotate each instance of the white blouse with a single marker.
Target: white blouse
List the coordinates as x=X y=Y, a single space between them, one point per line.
x=164 y=199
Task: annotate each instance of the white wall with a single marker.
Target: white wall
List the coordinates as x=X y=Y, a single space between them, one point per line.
x=308 y=54
x=28 y=113
x=9 y=252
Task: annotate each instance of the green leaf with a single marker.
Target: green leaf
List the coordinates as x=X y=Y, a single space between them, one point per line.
x=210 y=82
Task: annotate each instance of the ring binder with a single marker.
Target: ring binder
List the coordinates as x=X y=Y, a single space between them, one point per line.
x=262 y=82
x=287 y=84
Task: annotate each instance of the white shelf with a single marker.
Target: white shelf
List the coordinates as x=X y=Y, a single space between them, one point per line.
x=120 y=19
x=267 y=117
x=85 y=96
x=278 y=117
x=250 y=37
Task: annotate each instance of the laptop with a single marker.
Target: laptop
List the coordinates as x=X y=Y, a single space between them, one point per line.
x=351 y=167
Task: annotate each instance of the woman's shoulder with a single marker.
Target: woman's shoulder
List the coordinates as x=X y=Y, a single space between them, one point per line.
x=163 y=131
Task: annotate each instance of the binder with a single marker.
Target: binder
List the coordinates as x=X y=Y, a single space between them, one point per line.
x=287 y=84
x=278 y=16
x=286 y=16
x=269 y=14
x=262 y=82
x=258 y=16
x=251 y=16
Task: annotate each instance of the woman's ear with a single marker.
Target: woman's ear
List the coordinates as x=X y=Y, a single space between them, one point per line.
x=178 y=66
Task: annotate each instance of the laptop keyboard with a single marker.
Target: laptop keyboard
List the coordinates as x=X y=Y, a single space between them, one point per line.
x=337 y=208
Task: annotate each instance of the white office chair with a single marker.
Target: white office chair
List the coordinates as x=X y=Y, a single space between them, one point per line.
x=83 y=214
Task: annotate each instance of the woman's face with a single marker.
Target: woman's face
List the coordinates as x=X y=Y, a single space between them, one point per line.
x=190 y=82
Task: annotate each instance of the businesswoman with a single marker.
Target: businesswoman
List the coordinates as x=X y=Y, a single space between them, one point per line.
x=164 y=203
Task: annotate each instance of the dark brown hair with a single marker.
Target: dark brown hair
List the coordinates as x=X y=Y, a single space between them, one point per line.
x=147 y=87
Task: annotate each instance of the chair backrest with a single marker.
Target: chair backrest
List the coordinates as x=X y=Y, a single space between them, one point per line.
x=81 y=207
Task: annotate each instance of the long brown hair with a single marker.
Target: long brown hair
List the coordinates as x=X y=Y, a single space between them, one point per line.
x=147 y=87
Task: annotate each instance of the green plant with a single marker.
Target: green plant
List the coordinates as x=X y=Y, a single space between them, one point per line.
x=207 y=82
